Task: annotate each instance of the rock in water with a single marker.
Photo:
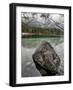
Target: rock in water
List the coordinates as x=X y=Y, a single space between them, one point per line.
x=46 y=60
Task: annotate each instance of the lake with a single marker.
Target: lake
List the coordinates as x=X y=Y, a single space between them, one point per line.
x=28 y=47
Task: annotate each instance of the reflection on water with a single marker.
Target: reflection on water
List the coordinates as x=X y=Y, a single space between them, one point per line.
x=33 y=42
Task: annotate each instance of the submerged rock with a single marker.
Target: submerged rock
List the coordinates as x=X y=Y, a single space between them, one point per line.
x=46 y=60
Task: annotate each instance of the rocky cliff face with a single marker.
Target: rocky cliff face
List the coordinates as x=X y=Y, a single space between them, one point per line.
x=46 y=60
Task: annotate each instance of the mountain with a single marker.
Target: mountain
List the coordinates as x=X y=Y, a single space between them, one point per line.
x=44 y=21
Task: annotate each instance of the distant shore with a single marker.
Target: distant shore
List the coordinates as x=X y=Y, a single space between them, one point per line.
x=39 y=36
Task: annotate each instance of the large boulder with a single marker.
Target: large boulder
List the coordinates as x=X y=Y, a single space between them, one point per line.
x=46 y=60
